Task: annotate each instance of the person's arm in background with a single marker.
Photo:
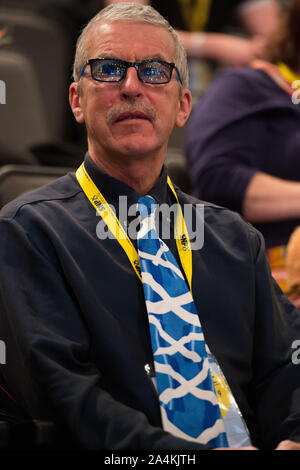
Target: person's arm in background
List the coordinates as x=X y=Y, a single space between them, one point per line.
x=270 y=199
x=226 y=168
x=226 y=49
x=226 y=156
x=258 y=17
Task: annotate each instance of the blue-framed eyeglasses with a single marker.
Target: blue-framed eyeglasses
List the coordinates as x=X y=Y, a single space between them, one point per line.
x=151 y=71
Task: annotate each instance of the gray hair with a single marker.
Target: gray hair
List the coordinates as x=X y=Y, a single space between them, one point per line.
x=134 y=12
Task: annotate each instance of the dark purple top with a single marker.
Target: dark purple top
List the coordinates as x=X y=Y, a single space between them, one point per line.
x=245 y=123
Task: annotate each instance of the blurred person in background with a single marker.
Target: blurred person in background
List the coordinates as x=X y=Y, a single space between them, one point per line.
x=243 y=141
x=204 y=25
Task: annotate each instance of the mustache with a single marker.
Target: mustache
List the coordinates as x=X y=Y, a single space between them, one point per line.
x=146 y=109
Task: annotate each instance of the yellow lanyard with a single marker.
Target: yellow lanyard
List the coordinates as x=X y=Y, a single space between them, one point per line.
x=196 y=13
x=287 y=73
x=280 y=73
x=97 y=199
x=99 y=202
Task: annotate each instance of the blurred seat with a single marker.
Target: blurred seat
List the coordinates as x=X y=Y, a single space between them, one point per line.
x=28 y=435
x=16 y=429
x=16 y=180
x=19 y=432
x=177 y=168
x=43 y=43
x=59 y=154
x=12 y=154
x=24 y=3
x=23 y=116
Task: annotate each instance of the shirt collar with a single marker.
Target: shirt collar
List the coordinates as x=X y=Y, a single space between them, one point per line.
x=112 y=188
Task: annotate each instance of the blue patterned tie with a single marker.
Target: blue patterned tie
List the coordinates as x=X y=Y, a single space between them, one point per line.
x=188 y=402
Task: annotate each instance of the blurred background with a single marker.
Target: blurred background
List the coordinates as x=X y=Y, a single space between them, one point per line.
x=37 y=43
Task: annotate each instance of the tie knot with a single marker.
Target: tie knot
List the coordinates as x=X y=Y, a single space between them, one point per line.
x=146 y=206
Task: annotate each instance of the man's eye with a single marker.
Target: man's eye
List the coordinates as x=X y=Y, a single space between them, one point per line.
x=110 y=70
x=107 y=69
x=155 y=73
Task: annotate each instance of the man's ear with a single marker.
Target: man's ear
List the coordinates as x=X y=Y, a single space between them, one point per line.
x=75 y=102
x=185 y=106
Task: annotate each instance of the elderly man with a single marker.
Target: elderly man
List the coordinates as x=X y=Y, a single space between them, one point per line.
x=125 y=345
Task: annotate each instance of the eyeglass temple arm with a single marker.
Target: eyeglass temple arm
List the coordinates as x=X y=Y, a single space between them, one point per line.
x=178 y=75
x=82 y=71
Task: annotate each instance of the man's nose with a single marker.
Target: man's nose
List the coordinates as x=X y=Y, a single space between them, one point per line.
x=131 y=85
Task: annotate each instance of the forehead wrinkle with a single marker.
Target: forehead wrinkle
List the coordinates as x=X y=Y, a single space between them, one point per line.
x=155 y=57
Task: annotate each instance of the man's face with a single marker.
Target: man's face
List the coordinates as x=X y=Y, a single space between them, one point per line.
x=129 y=118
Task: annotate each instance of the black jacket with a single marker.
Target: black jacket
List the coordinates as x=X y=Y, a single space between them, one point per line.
x=74 y=322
